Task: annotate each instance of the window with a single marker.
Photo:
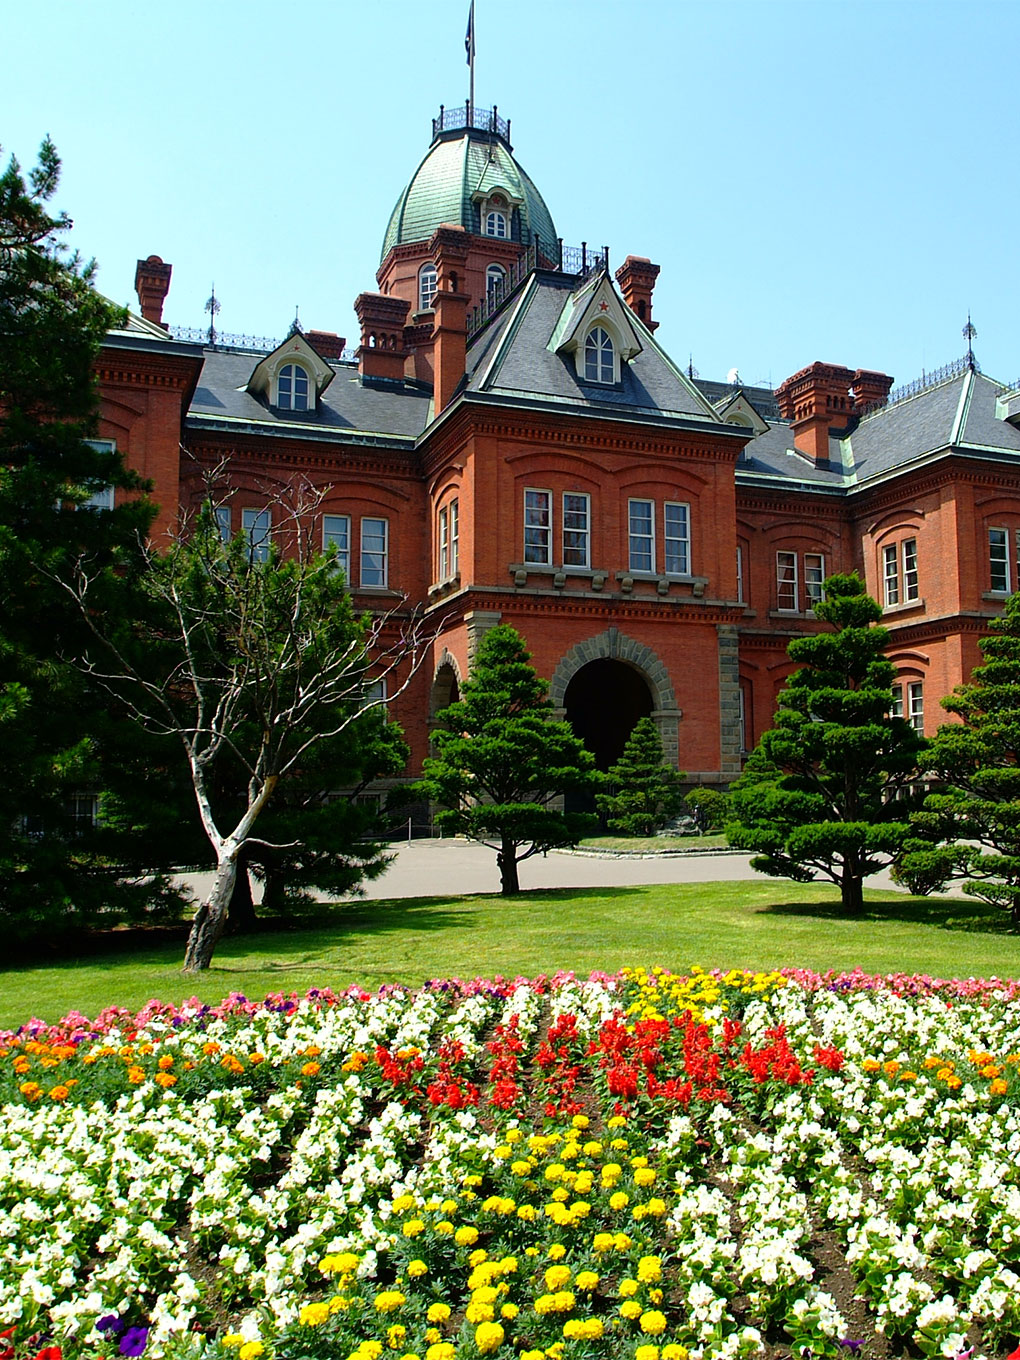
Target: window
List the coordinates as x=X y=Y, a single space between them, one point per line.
x=899 y=572
x=896 y=711
x=742 y=717
x=576 y=529
x=599 y=356
x=814 y=575
x=292 y=388
x=998 y=559
x=374 y=551
x=449 y=550
x=222 y=513
x=641 y=535
x=495 y=283
x=538 y=527
x=786 y=581
x=495 y=225
x=99 y=500
x=915 y=704
x=257 y=525
x=740 y=574
x=676 y=521
x=428 y=285
x=336 y=533
x=82 y=812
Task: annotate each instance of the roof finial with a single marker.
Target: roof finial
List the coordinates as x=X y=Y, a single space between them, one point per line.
x=469 y=48
x=295 y=325
x=969 y=334
x=692 y=372
x=212 y=307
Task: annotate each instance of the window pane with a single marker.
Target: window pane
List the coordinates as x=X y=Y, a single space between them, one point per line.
x=222 y=513
x=374 y=534
x=998 y=555
x=915 y=700
x=444 y=544
x=897 y=701
x=538 y=527
x=642 y=536
x=786 y=580
x=677 y=544
x=99 y=500
x=336 y=533
x=454 y=538
x=740 y=575
x=910 y=589
x=427 y=285
x=890 y=576
x=256 y=524
x=576 y=511
x=814 y=575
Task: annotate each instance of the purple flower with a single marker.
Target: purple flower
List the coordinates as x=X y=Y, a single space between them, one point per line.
x=111 y=1323
x=133 y=1341
x=854 y=1347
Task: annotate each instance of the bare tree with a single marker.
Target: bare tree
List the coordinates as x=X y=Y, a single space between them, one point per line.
x=247 y=650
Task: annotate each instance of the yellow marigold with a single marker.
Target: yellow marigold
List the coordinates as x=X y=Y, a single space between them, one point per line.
x=256 y=1058
x=646 y=1352
x=656 y=1207
x=479 y=1311
x=432 y=1335
x=527 y=1213
x=339 y=1263
x=653 y=1323
x=165 y=1062
x=617 y=1122
x=630 y=1309
x=674 y=1351
x=395 y=1336
x=441 y=1350
x=231 y=1064
x=210 y=1049
x=908 y=1076
x=313 y=1314
x=622 y=1242
x=438 y=1312
x=991 y=1070
x=250 y=1350
x=627 y=1288
x=871 y=1065
x=414 y=1226
x=465 y=1236
x=649 y=1269
x=602 y=1242
x=644 y=1176
x=954 y=1083
x=369 y=1350
x=998 y=1087
x=556 y=1277
x=587 y=1280
x=556 y=1252
x=509 y=1311
x=619 y=1200
x=402 y=1203
x=560 y=1194
x=233 y=1339
x=389 y=1301
x=932 y=1060
x=489 y=1336
x=416 y=1268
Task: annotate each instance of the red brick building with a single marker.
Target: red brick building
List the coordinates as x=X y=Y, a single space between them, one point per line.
x=508 y=442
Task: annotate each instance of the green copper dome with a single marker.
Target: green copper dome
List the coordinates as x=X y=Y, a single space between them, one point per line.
x=462 y=166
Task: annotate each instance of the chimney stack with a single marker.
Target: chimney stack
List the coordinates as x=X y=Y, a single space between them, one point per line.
x=636 y=277
x=870 y=389
x=381 y=353
x=326 y=343
x=152 y=283
x=818 y=399
x=449 y=250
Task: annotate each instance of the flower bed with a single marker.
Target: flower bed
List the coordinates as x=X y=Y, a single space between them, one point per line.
x=645 y=1166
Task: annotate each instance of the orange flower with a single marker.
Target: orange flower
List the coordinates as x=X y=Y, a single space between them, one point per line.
x=891 y=1068
x=908 y=1076
x=998 y=1087
x=30 y=1089
x=256 y=1058
x=310 y=1069
x=871 y=1065
x=136 y=1075
x=21 y=1066
x=210 y=1049
x=165 y=1079
x=165 y=1062
x=231 y=1064
x=59 y=1093
x=355 y=1062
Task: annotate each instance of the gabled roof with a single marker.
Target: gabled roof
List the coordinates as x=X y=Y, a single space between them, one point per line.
x=513 y=359
x=295 y=349
x=596 y=301
x=737 y=409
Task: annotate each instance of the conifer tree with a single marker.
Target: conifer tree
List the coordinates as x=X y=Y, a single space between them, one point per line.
x=969 y=826
x=647 y=791
x=826 y=791
x=502 y=760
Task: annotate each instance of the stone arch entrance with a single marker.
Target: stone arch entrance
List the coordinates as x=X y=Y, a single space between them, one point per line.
x=445 y=686
x=603 y=702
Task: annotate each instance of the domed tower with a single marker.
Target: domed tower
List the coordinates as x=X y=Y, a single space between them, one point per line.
x=469 y=179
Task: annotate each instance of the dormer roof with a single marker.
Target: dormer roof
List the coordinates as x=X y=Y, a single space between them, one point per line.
x=295 y=349
x=596 y=303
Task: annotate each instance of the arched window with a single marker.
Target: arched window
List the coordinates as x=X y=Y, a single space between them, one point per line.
x=495 y=225
x=495 y=282
x=428 y=285
x=599 y=356
x=292 y=388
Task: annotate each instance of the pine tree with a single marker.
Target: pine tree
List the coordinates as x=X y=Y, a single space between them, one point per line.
x=647 y=791
x=969 y=827
x=502 y=760
x=826 y=791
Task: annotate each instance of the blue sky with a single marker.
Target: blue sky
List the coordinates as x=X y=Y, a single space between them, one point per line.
x=828 y=180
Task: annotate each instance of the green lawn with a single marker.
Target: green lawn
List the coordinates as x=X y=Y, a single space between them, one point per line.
x=766 y=924
x=655 y=845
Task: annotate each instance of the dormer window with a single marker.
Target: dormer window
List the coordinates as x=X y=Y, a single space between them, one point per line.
x=599 y=356
x=495 y=224
x=292 y=388
x=428 y=286
x=495 y=283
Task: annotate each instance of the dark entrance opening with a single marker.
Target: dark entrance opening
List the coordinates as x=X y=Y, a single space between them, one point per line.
x=603 y=702
x=445 y=690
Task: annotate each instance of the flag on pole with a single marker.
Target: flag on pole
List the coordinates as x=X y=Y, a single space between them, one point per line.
x=469 y=36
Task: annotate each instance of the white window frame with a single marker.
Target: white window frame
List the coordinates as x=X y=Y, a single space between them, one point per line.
x=336 y=533
x=641 y=539
x=495 y=283
x=814 y=575
x=375 y=575
x=299 y=388
x=223 y=525
x=787 y=581
x=676 y=538
x=448 y=535
x=538 y=527
x=908 y=551
x=896 y=707
x=890 y=575
x=998 y=560
x=740 y=574
x=576 y=528
x=915 y=705
x=258 y=529
x=496 y=225
x=599 y=357
x=428 y=287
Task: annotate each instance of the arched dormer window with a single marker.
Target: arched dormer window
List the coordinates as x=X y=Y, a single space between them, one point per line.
x=292 y=388
x=495 y=283
x=599 y=356
x=428 y=286
x=495 y=224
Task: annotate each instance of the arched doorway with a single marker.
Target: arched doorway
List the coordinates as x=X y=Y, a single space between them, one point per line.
x=445 y=688
x=603 y=702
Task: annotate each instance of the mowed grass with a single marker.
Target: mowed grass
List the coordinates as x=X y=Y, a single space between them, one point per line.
x=754 y=925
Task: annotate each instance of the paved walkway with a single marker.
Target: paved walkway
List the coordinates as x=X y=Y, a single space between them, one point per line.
x=448 y=868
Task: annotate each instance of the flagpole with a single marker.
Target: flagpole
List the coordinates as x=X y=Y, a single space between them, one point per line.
x=470 y=45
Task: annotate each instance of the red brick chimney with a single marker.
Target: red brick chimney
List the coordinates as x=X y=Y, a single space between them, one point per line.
x=449 y=250
x=636 y=277
x=870 y=389
x=815 y=401
x=152 y=283
x=381 y=353
x=327 y=343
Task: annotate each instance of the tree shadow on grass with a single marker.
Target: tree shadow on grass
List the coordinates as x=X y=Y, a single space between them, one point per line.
x=964 y=914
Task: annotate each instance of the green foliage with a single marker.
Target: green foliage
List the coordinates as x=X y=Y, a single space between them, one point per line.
x=53 y=873
x=502 y=759
x=969 y=826
x=827 y=788
x=712 y=805
x=646 y=791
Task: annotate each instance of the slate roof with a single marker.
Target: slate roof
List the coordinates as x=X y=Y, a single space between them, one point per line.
x=763 y=399
x=348 y=408
x=511 y=359
x=441 y=189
